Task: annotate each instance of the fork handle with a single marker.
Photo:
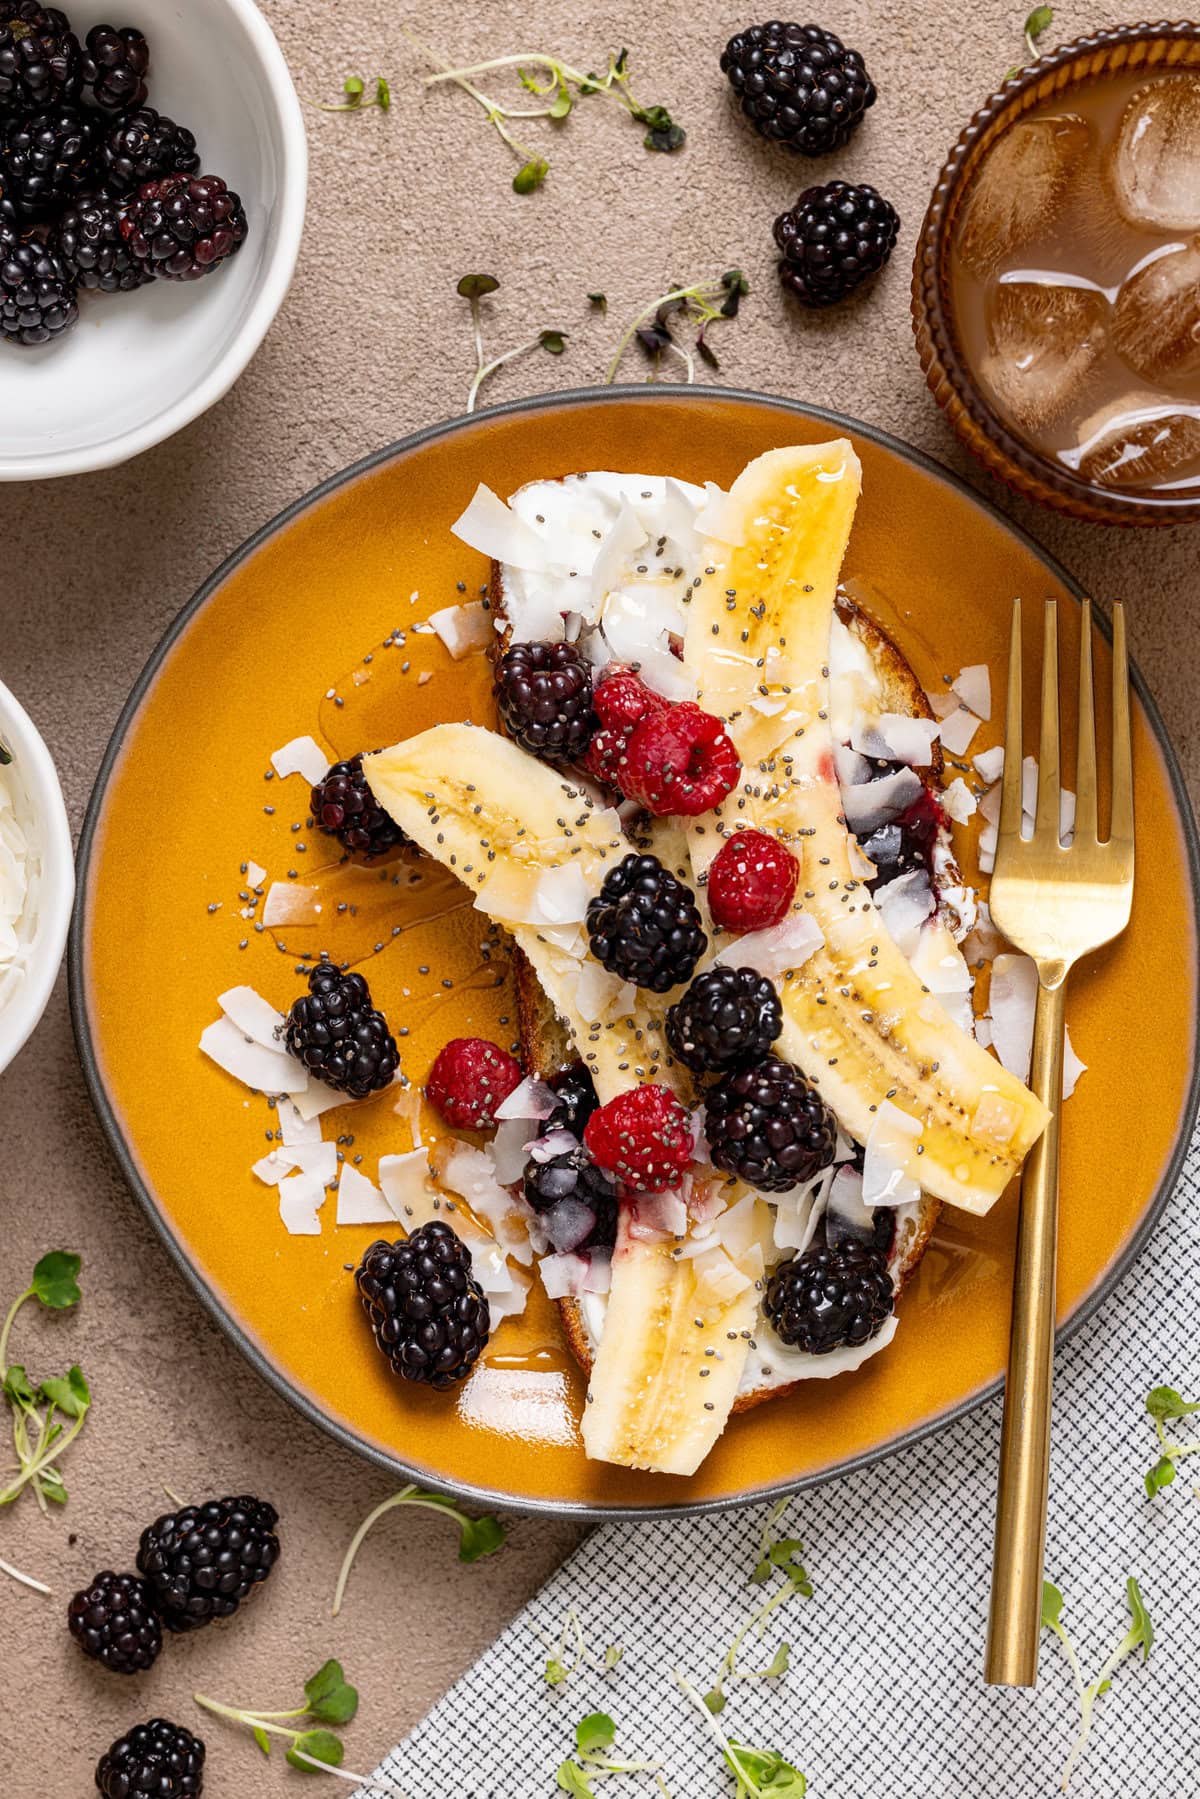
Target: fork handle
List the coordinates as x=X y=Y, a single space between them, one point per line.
x=1014 y=1623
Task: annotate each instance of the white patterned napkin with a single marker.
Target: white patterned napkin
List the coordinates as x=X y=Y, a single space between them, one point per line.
x=885 y=1697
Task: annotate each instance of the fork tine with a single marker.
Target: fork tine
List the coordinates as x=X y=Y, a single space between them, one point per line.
x=1048 y=801
x=1085 y=756
x=1122 y=775
x=1010 y=792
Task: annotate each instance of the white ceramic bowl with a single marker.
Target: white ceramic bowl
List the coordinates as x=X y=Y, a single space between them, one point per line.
x=42 y=930
x=138 y=367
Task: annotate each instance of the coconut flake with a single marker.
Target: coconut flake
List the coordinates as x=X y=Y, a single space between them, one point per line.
x=472 y=1174
x=625 y=535
x=463 y=629
x=288 y=903
x=958 y=802
x=634 y=632
x=942 y=703
x=879 y=803
x=938 y=962
x=905 y=904
x=317 y=1159
x=563 y=1276
x=887 y=1151
x=270 y=1070
x=845 y=1211
x=554 y=1143
x=718 y=1279
x=1072 y=1066
x=599 y=993
x=778 y=950
x=1013 y=1004
x=359 y=1200
x=253 y=1016
x=990 y=763
x=317 y=1098
x=721 y=517
x=973 y=686
x=491 y=527
x=560 y=896
x=404 y=1180
x=254 y=876
x=533 y=1099
x=509 y=1154
x=958 y=730
x=296 y=1130
x=598 y=1278
x=300 y=1199
x=853 y=770
x=653 y=1215
x=896 y=737
x=302 y=756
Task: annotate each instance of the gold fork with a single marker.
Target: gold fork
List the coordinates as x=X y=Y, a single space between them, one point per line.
x=1056 y=904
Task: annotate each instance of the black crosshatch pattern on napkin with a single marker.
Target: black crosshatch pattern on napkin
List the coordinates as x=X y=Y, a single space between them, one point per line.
x=885 y=1697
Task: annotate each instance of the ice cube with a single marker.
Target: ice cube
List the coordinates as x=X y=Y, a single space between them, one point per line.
x=1044 y=342
x=1140 y=441
x=1156 y=320
x=1020 y=187
x=1155 y=159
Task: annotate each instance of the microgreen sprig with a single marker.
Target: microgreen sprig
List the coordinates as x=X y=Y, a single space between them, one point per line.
x=47 y=1415
x=477 y=1537
x=355 y=90
x=328 y=1699
x=1140 y=1635
x=557 y=85
x=700 y=303
x=594 y=1739
x=475 y=288
x=777 y=1556
x=1038 y=22
x=1164 y=1404
x=759 y=1773
x=571 y=1653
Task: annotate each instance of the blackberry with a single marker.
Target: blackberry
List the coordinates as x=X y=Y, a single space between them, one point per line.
x=830 y=1297
x=203 y=1561
x=158 y=1760
x=427 y=1310
x=114 y=1620
x=768 y=1126
x=114 y=69
x=145 y=146
x=39 y=58
x=833 y=238
x=544 y=695
x=90 y=243
x=574 y=1175
x=799 y=85
x=48 y=159
x=184 y=226
x=577 y=1100
x=644 y=925
x=339 y=1036
x=344 y=807
x=728 y=1016
x=37 y=296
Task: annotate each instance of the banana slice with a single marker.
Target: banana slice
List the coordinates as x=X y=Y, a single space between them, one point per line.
x=534 y=848
x=857 y=1020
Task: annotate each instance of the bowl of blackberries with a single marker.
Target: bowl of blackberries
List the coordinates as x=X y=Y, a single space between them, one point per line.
x=153 y=176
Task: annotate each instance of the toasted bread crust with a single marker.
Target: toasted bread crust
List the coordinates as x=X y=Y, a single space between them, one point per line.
x=546 y=1047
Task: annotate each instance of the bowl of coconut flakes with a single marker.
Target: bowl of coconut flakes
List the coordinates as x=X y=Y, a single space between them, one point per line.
x=37 y=876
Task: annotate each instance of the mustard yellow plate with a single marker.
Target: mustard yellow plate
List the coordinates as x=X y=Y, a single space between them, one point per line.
x=300 y=632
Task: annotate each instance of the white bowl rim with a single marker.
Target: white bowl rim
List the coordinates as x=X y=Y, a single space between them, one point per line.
x=277 y=275
x=31 y=757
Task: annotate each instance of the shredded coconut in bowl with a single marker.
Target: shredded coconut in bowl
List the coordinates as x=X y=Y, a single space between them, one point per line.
x=20 y=875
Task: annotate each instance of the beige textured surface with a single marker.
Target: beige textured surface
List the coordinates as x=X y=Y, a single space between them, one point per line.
x=371 y=344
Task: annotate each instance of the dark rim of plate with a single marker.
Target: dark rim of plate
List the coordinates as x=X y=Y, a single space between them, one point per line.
x=77 y=973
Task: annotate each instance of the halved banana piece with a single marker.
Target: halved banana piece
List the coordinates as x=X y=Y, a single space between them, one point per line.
x=857 y=1020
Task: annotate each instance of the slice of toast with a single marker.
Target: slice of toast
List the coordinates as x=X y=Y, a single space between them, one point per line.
x=545 y=1044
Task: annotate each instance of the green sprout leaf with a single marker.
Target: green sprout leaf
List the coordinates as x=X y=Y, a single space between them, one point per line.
x=1165 y=1404
x=1160 y=1476
x=316 y=1746
x=477 y=1537
x=599 y=301
x=530 y=175
x=554 y=341
x=70 y=1395
x=262 y=1739
x=572 y=1779
x=1039 y=21
x=354 y=89
x=330 y=1697
x=383 y=93
x=1168 y=1402
x=595 y=1732
x=561 y=104
x=475 y=286
x=55 y=1281
x=612 y=1657
x=1052 y=1601
x=1141 y=1635
x=17 y=1389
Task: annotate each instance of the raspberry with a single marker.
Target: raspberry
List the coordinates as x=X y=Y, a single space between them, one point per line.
x=470 y=1078
x=751 y=882
x=680 y=760
x=620 y=702
x=644 y=1137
